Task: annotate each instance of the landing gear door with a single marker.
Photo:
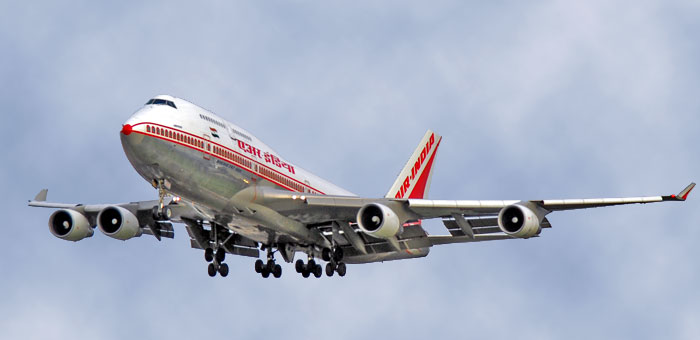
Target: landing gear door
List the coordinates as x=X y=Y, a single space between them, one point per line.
x=207 y=146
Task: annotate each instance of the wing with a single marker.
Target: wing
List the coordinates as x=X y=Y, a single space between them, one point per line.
x=123 y=221
x=466 y=221
x=441 y=208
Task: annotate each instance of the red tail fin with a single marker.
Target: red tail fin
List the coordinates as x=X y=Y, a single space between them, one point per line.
x=414 y=179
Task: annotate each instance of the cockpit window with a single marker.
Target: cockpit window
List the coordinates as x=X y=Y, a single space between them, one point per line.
x=161 y=102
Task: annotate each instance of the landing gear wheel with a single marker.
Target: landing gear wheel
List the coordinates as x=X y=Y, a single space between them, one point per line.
x=299 y=266
x=341 y=269
x=220 y=255
x=211 y=269
x=326 y=254
x=277 y=271
x=259 y=266
x=337 y=254
x=209 y=254
x=305 y=273
x=265 y=272
x=329 y=269
x=318 y=271
x=311 y=265
x=223 y=270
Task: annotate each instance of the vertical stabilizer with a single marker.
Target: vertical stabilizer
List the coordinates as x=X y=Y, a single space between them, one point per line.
x=414 y=179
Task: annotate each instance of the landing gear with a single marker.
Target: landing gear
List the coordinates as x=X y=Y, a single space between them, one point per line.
x=341 y=269
x=220 y=255
x=309 y=268
x=209 y=254
x=277 y=271
x=223 y=270
x=161 y=212
x=216 y=257
x=334 y=256
x=265 y=269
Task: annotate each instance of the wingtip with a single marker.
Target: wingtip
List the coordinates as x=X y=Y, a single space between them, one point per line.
x=41 y=196
x=683 y=195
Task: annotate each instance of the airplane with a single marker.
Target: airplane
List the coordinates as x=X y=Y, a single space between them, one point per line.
x=235 y=195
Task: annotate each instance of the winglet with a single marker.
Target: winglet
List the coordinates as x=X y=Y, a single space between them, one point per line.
x=41 y=196
x=681 y=196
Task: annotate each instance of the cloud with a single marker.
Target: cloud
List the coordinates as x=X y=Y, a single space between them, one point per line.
x=534 y=101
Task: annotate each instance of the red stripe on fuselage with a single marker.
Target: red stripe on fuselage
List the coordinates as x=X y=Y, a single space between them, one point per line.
x=173 y=140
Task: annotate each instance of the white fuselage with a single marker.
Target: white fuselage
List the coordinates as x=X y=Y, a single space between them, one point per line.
x=206 y=160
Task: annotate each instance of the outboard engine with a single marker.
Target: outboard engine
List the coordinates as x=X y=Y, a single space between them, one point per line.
x=69 y=225
x=519 y=221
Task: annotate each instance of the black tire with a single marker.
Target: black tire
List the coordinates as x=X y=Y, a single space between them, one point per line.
x=270 y=265
x=209 y=254
x=329 y=269
x=223 y=270
x=342 y=269
x=311 y=265
x=259 y=264
x=265 y=273
x=305 y=273
x=299 y=266
x=326 y=254
x=220 y=255
x=211 y=269
x=277 y=271
x=338 y=254
x=318 y=271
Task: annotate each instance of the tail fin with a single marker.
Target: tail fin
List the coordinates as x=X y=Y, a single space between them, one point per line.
x=414 y=179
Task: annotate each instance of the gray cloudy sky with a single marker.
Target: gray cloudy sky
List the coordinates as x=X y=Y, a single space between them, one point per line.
x=543 y=99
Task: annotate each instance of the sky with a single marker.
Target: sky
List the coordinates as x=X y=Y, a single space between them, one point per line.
x=534 y=100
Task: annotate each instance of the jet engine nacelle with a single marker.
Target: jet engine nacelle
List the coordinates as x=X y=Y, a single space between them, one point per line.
x=379 y=221
x=519 y=221
x=117 y=222
x=69 y=225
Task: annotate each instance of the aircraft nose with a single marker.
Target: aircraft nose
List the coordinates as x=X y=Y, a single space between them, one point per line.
x=127 y=129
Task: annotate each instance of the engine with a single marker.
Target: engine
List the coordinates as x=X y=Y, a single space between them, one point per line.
x=519 y=221
x=69 y=225
x=119 y=223
x=379 y=221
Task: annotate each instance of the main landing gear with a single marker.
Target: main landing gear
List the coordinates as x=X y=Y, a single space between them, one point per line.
x=265 y=269
x=309 y=268
x=217 y=264
x=334 y=257
x=216 y=257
